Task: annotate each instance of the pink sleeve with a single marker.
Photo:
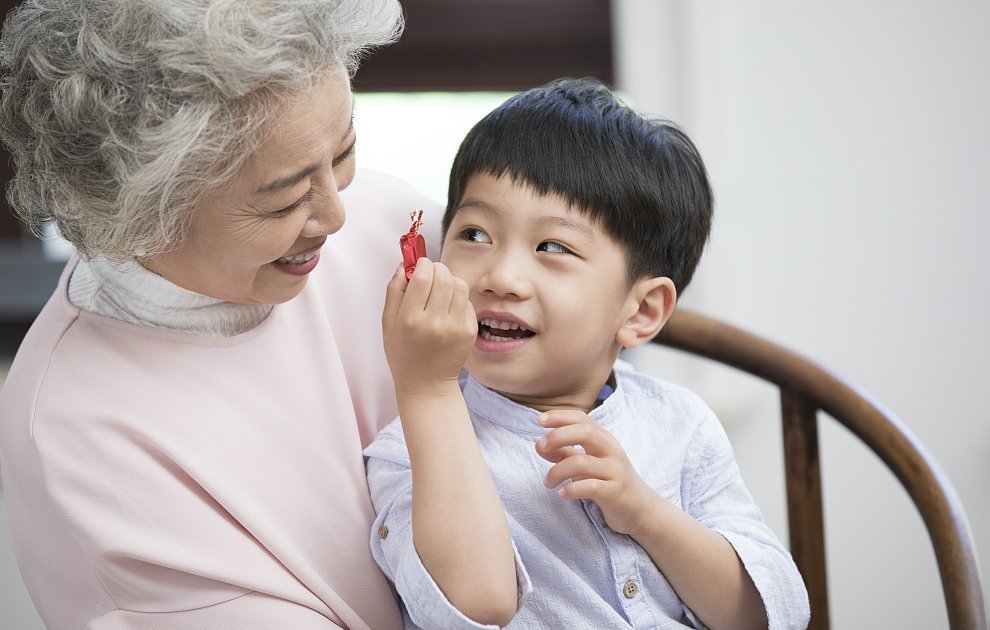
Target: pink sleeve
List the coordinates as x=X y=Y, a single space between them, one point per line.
x=252 y=610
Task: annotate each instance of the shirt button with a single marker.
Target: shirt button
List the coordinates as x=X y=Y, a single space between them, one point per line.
x=382 y=532
x=629 y=590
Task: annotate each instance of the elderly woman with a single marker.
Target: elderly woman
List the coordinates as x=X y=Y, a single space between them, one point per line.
x=181 y=429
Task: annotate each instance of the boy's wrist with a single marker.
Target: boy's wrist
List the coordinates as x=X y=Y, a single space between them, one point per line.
x=652 y=519
x=423 y=369
x=417 y=391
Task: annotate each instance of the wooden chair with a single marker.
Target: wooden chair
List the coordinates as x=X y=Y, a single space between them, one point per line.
x=805 y=389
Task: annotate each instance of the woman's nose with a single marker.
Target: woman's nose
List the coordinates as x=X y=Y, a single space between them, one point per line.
x=326 y=211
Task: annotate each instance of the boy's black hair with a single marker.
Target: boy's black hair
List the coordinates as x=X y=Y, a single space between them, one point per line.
x=641 y=179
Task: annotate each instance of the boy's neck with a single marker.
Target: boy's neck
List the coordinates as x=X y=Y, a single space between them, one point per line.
x=583 y=400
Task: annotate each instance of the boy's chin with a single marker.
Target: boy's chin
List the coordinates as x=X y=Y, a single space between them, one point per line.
x=495 y=380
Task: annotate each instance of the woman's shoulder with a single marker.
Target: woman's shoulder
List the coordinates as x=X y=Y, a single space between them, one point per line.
x=378 y=203
x=33 y=359
x=374 y=189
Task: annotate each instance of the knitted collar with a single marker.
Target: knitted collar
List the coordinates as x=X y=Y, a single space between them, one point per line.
x=129 y=292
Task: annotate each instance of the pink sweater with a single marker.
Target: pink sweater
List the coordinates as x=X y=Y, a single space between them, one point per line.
x=156 y=478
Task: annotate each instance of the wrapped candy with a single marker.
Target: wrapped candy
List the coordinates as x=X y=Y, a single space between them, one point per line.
x=412 y=243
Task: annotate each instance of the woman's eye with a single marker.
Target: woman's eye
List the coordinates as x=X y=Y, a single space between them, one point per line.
x=295 y=206
x=343 y=157
x=552 y=247
x=475 y=235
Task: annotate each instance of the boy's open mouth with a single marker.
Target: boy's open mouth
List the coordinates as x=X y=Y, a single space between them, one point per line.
x=494 y=330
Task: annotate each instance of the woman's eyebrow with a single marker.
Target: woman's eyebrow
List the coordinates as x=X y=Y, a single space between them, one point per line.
x=286 y=182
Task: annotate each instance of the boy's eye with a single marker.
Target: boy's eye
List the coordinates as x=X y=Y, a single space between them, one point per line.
x=475 y=235
x=552 y=247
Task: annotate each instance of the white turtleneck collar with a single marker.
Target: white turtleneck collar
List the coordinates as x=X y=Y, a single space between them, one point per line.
x=129 y=292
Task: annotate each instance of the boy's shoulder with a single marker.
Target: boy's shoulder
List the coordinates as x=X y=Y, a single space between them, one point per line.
x=637 y=384
x=668 y=412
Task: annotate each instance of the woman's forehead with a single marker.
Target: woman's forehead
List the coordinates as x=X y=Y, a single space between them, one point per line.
x=307 y=131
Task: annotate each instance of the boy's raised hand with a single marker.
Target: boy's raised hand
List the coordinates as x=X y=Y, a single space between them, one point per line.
x=458 y=523
x=599 y=470
x=428 y=326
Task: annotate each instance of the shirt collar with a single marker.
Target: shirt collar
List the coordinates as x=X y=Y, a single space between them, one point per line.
x=489 y=405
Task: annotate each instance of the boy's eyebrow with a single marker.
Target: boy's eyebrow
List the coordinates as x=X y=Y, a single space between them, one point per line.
x=579 y=227
x=479 y=204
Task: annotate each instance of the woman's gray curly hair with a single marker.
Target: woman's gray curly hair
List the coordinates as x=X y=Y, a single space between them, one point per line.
x=122 y=114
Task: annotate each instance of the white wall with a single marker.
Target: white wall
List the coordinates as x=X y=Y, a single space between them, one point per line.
x=849 y=147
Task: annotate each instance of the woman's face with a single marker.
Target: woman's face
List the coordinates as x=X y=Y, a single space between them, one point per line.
x=256 y=240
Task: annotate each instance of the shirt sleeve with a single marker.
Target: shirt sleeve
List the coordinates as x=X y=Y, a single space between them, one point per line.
x=390 y=483
x=716 y=496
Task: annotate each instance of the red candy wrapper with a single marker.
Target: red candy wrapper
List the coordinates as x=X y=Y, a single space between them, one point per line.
x=412 y=243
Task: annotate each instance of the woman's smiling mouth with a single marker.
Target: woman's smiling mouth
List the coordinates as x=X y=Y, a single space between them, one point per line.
x=296 y=260
x=302 y=263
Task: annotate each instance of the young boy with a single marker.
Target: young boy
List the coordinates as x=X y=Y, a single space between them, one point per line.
x=547 y=486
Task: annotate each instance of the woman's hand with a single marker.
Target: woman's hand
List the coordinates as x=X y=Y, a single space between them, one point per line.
x=599 y=470
x=429 y=327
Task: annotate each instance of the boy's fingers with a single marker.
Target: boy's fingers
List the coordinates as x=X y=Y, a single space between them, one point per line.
x=579 y=466
x=558 y=454
x=589 y=437
x=461 y=307
x=442 y=290
x=593 y=489
x=563 y=417
x=394 y=292
x=418 y=287
x=470 y=319
x=459 y=295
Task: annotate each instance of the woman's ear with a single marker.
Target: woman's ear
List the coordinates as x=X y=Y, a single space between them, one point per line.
x=651 y=302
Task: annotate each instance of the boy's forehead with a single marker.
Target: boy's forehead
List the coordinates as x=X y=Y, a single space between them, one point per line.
x=498 y=196
x=487 y=188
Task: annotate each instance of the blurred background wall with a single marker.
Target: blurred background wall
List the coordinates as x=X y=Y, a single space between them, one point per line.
x=848 y=145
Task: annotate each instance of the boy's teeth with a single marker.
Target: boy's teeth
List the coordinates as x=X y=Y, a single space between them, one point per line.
x=496 y=324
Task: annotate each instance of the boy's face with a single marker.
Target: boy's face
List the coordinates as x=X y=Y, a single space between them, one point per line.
x=549 y=288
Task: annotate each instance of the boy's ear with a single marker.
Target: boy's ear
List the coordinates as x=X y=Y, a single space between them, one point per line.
x=651 y=303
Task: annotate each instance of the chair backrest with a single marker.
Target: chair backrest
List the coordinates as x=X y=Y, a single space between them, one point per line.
x=805 y=389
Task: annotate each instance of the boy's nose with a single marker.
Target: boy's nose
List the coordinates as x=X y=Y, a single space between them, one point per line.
x=507 y=277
